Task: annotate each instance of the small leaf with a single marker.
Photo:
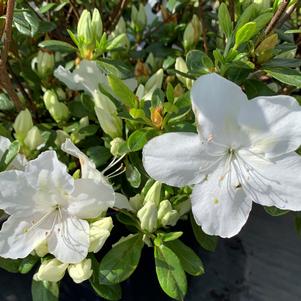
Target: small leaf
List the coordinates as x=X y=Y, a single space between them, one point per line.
x=5 y=103
x=9 y=155
x=89 y=130
x=206 y=241
x=28 y=263
x=198 y=62
x=274 y=211
x=224 y=20
x=170 y=273
x=285 y=75
x=139 y=138
x=115 y=67
x=190 y=261
x=169 y=236
x=44 y=291
x=121 y=261
x=59 y=46
x=133 y=175
x=10 y=265
x=245 y=33
x=124 y=94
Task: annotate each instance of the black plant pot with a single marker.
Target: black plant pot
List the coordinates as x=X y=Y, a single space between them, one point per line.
x=261 y=264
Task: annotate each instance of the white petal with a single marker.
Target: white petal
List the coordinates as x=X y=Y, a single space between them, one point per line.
x=122 y=202
x=88 y=168
x=273 y=124
x=48 y=173
x=219 y=206
x=272 y=183
x=16 y=238
x=90 y=198
x=15 y=192
x=69 y=240
x=174 y=158
x=216 y=102
x=86 y=77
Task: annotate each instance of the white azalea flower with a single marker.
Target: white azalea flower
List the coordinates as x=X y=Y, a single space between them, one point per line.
x=45 y=202
x=243 y=153
x=19 y=161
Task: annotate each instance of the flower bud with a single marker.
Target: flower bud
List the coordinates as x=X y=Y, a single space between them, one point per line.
x=154 y=194
x=116 y=144
x=60 y=93
x=61 y=137
x=84 y=30
x=51 y=270
x=183 y=207
x=148 y=217
x=197 y=29
x=33 y=138
x=82 y=271
x=42 y=249
x=120 y=28
x=99 y=232
x=136 y=202
x=166 y=214
x=96 y=25
x=138 y=17
x=23 y=123
x=45 y=64
x=58 y=110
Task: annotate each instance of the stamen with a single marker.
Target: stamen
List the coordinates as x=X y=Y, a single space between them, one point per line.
x=113 y=163
x=114 y=174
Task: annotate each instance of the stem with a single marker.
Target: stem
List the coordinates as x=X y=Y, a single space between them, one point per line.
x=116 y=14
x=204 y=29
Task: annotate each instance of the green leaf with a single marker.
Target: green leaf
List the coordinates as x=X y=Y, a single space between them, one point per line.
x=190 y=261
x=44 y=291
x=133 y=175
x=10 y=265
x=124 y=94
x=139 y=138
x=206 y=241
x=169 y=236
x=248 y=14
x=224 y=20
x=88 y=130
x=285 y=75
x=59 y=46
x=245 y=33
x=262 y=20
x=45 y=8
x=28 y=263
x=121 y=261
x=274 y=211
x=256 y=88
x=109 y=292
x=198 y=62
x=99 y=155
x=9 y=155
x=170 y=273
x=115 y=67
x=5 y=103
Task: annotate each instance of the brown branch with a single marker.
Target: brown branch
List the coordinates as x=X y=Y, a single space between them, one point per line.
x=5 y=80
x=287 y=15
x=116 y=14
x=76 y=13
x=232 y=10
x=204 y=29
x=273 y=23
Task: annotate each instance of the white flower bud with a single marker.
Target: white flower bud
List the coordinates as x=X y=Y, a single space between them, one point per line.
x=33 y=138
x=166 y=214
x=84 y=30
x=82 y=271
x=148 y=217
x=115 y=144
x=96 y=25
x=154 y=194
x=164 y=207
x=42 y=249
x=45 y=64
x=183 y=207
x=58 y=110
x=99 y=232
x=23 y=123
x=51 y=270
x=136 y=202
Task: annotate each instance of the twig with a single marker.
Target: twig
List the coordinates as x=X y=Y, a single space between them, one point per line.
x=76 y=13
x=286 y=15
x=204 y=29
x=232 y=10
x=5 y=80
x=116 y=14
x=273 y=23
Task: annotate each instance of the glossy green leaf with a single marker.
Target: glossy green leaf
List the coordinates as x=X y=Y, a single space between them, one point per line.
x=139 y=138
x=28 y=263
x=286 y=75
x=170 y=273
x=9 y=155
x=224 y=20
x=60 y=46
x=10 y=265
x=44 y=291
x=274 y=211
x=245 y=33
x=121 y=261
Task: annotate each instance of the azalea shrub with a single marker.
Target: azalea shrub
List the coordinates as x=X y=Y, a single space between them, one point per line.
x=122 y=123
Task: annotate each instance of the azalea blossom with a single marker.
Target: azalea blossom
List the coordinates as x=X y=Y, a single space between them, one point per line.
x=244 y=152
x=45 y=202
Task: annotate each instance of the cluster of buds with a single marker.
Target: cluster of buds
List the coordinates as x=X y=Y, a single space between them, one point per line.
x=192 y=33
x=153 y=212
x=58 y=110
x=43 y=64
x=27 y=134
x=138 y=18
x=89 y=33
x=54 y=270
